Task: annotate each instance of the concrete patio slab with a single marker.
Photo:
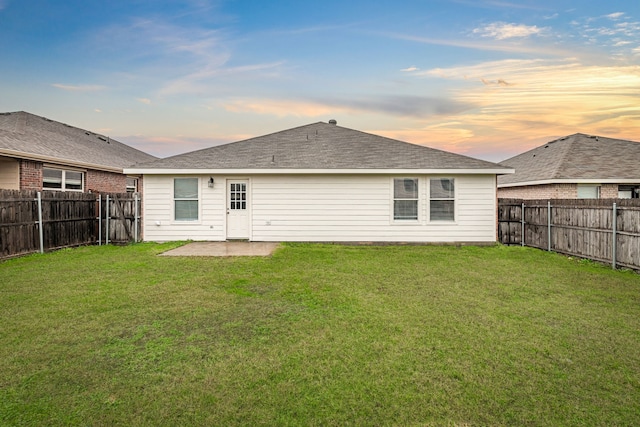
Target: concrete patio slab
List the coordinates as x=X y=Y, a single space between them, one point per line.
x=224 y=249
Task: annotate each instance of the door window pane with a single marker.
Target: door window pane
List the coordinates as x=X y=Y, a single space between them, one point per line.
x=238 y=196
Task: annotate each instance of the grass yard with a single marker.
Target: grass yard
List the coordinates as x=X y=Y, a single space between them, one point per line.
x=318 y=335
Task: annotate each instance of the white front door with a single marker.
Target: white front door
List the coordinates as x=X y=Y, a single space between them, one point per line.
x=237 y=209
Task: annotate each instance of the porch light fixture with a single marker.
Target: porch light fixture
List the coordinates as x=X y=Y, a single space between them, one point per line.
x=211 y=182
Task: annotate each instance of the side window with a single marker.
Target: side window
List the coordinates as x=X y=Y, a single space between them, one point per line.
x=588 y=191
x=64 y=180
x=405 y=199
x=52 y=179
x=185 y=199
x=132 y=185
x=442 y=199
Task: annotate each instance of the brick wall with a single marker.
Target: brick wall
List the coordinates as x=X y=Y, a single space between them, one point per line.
x=554 y=191
x=545 y=191
x=30 y=175
x=609 y=191
x=105 y=182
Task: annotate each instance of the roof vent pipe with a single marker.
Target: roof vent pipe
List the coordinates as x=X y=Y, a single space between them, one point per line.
x=333 y=122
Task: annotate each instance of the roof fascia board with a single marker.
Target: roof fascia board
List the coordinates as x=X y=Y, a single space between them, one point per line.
x=160 y=171
x=57 y=161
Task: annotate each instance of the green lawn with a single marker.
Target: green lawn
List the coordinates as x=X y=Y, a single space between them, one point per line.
x=318 y=335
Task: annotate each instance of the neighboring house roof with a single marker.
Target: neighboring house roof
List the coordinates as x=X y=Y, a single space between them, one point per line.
x=576 y=158
x=317 y=147
x=27 y=136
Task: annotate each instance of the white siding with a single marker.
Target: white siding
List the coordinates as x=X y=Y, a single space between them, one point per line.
x=158 y=211
x=324 y=208
x=9 y=174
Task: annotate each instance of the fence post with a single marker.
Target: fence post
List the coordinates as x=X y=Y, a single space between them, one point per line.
x=522 y=227
x=135 y=218
x=107 y=216
x=549 y=225
x=99 y=219
x=40 y=230
x=614 y=235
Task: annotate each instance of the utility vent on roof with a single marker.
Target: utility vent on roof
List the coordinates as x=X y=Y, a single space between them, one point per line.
x=333 y=122
x=102 y=138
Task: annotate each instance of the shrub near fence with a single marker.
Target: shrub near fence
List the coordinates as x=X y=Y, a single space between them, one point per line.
x=605 y=230
x=32 y=221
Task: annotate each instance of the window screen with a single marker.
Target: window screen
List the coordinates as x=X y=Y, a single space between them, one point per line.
x=185 y=194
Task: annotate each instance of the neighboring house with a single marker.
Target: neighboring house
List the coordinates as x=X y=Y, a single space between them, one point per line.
x=320 y=182
x=576 y=166
x=37 y=153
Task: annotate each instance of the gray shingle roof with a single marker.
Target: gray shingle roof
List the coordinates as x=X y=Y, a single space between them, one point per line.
x=320 y=146
x=576 y=157
x=39 y=137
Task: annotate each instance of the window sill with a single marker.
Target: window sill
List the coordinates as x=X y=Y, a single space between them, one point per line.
x=406 y=222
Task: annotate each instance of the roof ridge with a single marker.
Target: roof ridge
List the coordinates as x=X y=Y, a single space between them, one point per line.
x=245 y=139
x=563 y=154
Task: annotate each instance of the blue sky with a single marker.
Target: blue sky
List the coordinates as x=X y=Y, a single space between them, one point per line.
x=485 y=78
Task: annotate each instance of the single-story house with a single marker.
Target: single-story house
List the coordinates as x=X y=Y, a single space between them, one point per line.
x=574 y=167
x=320 y=182
x=37 y=153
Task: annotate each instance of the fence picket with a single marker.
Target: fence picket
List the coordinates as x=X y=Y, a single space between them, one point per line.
x=605 y=230
x=64 y=219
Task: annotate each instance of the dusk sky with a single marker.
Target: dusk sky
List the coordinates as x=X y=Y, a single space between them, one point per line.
x=488 y=79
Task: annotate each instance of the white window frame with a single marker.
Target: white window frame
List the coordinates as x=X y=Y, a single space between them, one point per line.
x=597 y=187
x=418 y=201
x=134 y=188
x=454 y=199
x=63 y=177
x=182 y=199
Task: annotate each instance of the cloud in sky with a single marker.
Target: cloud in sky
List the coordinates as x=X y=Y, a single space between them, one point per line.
x=162 y=146
x=503 y=31
x=489 y=46
x=544 y=95
x=396 y=105
x=471 y=76
x=614 y=16
x=78 y=88
x=201 y=81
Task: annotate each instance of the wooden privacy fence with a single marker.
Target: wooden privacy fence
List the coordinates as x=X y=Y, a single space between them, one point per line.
x=32 y=221
x=605 y=230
